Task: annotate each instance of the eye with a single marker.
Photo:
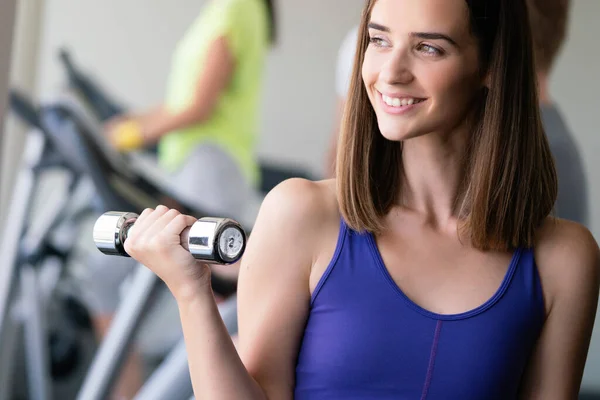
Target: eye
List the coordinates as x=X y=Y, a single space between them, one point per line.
x=377 y=41
x=429 y=50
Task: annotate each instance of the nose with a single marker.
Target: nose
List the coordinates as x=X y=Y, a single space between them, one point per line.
x=397 y=68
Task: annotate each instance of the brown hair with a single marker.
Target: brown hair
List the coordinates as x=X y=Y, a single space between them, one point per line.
x=549 y=22
x=510 y=184
x=272 y=20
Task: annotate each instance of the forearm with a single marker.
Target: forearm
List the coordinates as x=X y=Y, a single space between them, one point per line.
x=161 y=121
x=216 y=369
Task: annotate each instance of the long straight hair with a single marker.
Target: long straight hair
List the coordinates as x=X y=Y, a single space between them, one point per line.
x=272 y=20
x=510 y=184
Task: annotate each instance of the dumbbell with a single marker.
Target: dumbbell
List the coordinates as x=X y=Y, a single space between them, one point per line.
x=210 y=240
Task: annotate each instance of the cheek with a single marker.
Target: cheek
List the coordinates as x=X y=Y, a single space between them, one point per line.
x=454 y=89
x=369 y=74
x=368 y=71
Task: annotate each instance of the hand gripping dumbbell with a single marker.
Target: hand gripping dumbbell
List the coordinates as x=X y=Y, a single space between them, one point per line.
x=210 y=240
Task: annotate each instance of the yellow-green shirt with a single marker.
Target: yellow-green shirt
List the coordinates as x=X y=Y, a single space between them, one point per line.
x=234 y=122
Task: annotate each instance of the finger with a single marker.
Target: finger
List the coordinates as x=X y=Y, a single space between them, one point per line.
x=179 y=224
x=157 y=228
x=117 y=120
x=111 y=125
x=143 y=224
x=139 y=222
x=144 y=214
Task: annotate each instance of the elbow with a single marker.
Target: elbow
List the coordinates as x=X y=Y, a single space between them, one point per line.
x=199 y=113
x=199 y=117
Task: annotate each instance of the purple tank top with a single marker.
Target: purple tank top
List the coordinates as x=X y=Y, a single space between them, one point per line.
x=365 y=339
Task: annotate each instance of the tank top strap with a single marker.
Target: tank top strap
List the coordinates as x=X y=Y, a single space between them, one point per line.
x=527 y=279
x=344 y=231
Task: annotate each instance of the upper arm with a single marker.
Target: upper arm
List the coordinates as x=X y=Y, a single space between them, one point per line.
x=273 y=288
x=569 y=263
x=232 y=34
x=216 y=74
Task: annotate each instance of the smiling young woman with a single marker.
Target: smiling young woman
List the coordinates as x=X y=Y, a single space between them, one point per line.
x=431 y=268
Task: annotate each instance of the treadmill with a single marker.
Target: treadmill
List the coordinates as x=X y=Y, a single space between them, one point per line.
x=120 y=183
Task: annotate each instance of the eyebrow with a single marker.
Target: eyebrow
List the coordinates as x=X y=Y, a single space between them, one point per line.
x=422 y=35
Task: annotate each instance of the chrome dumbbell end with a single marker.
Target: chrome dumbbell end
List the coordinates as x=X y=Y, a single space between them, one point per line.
x=211 y=240
x=110 y=232
x=217 y=240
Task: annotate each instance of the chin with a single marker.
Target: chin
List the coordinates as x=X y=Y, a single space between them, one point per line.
x=397 y=134
x=394 y=136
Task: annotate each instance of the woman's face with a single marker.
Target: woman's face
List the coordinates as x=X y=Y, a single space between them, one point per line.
x=421 y=66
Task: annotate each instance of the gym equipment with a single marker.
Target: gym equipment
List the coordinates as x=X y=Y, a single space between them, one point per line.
x=32 y=263
x=211 y=240
x=67 y=134
x=65 y=137
x=120 y=180
x=104 y=107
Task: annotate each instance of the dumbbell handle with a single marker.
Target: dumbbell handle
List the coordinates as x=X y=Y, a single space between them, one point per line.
x=211 y=240
x=130 y=222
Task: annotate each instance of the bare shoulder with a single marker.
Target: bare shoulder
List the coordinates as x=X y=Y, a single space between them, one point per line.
x=305 y=204
x=302 y=202
x=568 y=259
x=299 y=211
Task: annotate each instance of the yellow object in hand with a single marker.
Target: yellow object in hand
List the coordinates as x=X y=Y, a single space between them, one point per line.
x=128 y=136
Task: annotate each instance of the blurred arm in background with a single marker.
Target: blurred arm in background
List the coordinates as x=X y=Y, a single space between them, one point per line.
x=159 y=121
x=345 y=62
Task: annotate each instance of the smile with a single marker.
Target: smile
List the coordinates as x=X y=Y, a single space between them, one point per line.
x=399 y=105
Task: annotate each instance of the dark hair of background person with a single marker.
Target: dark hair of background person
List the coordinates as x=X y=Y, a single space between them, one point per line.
x=549 y=22
x=272 y=19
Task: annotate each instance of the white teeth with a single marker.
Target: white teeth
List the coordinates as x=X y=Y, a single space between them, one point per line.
x=396 y=102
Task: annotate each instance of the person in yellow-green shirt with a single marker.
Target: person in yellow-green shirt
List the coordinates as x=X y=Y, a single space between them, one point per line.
x=212 y=95
x=205 y=131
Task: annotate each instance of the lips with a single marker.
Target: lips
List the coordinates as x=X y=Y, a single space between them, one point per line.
x=399 y=105
x=403 y=101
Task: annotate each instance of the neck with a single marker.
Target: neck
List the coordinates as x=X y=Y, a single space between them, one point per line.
x=433 y=168
x=543 y=90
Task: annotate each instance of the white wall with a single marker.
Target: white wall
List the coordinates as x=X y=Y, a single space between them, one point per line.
x=575 y=86
x=126 y=44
